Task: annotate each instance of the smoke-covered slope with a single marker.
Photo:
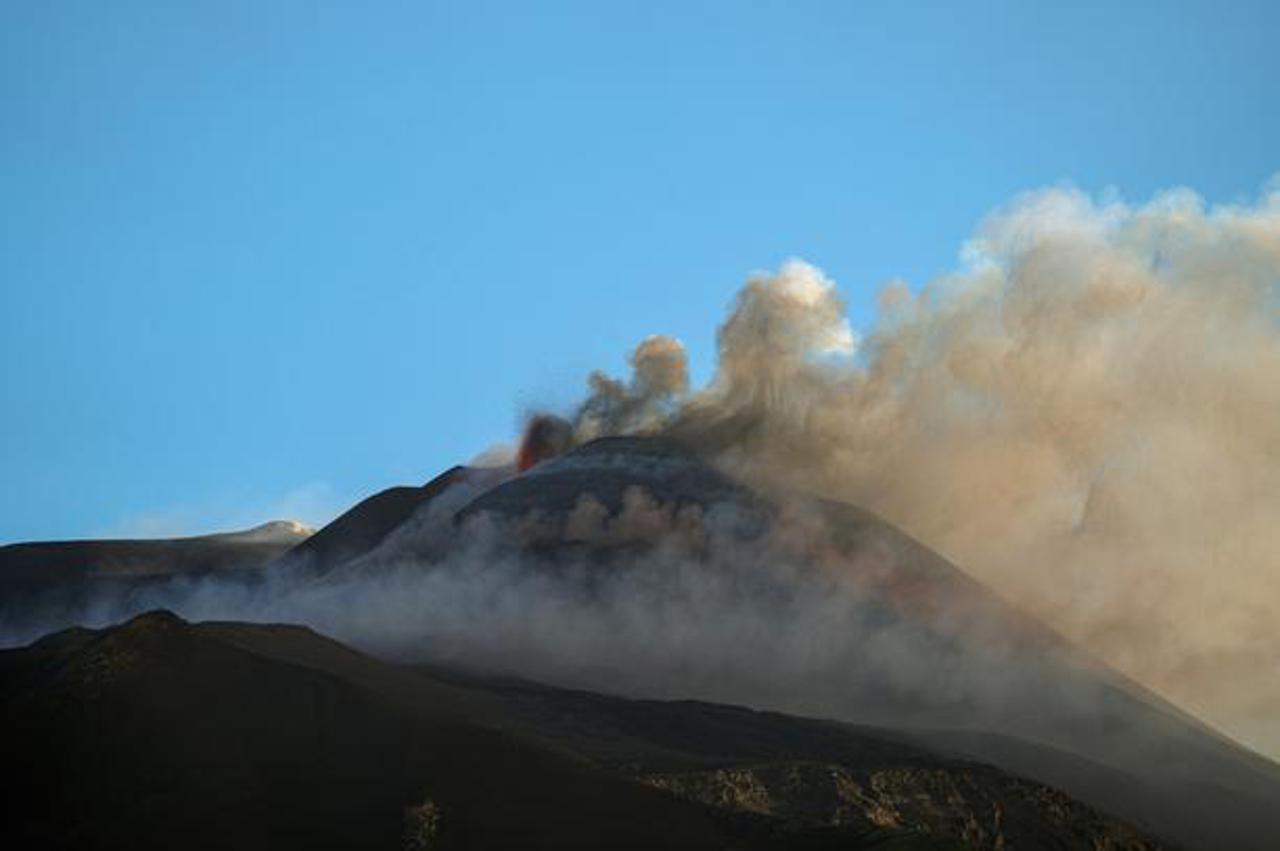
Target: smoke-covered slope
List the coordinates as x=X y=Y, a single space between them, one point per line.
x=158 y=733
x=362 y=527
x=44 y=564
x=40 y=579
x=922 y=645
x=605 y=469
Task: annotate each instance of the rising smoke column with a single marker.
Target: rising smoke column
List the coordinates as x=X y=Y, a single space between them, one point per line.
x=1086 y=416
x=660 y=378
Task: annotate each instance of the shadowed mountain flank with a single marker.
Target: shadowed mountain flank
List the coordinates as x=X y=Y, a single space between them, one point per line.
x=34 y=566
x=45 y=577
x=268 y=736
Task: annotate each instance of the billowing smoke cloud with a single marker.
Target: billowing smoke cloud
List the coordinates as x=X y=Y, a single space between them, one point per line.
x=1086 y=416
x=660 y=377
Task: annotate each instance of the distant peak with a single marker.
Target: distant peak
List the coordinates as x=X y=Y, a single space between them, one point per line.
x=271 y=532
x=289 y=527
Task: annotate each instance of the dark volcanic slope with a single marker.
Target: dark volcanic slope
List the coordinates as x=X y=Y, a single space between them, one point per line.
x=361 y=528
x=162 y=734
x=157 y=734
x=59 y=581
x=29 y=567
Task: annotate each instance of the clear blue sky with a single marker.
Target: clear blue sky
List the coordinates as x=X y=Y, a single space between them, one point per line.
x=262 y=258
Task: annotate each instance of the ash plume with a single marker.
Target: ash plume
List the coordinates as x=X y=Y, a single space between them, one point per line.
x=545 y=436
x=660 y=377
x=1086 y=416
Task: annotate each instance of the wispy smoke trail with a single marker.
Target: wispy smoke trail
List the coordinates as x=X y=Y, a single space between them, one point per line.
x=1086 y=416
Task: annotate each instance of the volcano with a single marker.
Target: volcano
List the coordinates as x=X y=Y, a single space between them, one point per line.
x=665 y=628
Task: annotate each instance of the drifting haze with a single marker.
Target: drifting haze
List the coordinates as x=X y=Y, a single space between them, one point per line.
x=1086 y=417
x=704 y=602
